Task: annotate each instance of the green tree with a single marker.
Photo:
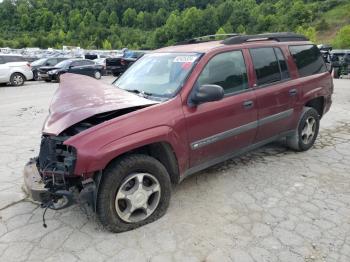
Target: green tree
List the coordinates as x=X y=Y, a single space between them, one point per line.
x=74 y=19
x=309 y=32
x=25 y=22
x=113 y=19
x=106 y=45
x=140 y=19
x=342 y=38
x=103 y=17
x=129 y=17
x=89 y=19
x=220 y=31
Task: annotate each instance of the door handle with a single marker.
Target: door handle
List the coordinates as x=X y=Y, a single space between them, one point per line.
x=248 y=104
x=293 y=92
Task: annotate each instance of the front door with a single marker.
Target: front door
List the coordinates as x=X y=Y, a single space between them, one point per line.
x=276 y=94
x=216 y=129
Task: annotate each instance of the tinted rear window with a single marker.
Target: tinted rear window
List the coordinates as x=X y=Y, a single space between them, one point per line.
x=308 y=59
x=266 y=66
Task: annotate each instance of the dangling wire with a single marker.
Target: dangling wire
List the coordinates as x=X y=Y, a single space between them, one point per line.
x=47 y=206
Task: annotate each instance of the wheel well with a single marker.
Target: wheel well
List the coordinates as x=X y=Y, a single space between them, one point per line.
x=24 y=77
x=316 y=103
x=163 y=152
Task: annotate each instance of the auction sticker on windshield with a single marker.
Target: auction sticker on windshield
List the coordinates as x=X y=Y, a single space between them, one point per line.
x=185 y=59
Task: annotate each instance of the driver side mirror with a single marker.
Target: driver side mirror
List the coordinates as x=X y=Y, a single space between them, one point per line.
x=207 y=93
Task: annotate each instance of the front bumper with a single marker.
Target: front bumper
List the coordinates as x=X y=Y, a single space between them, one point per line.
x=33 y=184
x=51 y=196
x=43 y=75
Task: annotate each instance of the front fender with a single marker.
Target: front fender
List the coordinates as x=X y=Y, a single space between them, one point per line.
x=89 y=161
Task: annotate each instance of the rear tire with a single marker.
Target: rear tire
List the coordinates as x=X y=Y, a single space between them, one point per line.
x=47 y=80
x=125 y=201
x=336 y=73
x=305 y=135
x=17 y=79
x=97 y=74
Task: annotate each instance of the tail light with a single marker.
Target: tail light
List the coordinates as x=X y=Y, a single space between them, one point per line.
x=29 y=65
x=122 y=62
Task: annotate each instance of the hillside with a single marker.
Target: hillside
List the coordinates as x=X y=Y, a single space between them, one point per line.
x=153 y=23
x=331 y=21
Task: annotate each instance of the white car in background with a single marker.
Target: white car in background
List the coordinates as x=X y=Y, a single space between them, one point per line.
x=14 y=69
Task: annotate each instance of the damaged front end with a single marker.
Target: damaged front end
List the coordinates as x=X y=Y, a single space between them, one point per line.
x=80 y=103
x=49 y=178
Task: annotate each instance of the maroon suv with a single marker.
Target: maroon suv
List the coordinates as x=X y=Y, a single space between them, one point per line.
x=176 y=111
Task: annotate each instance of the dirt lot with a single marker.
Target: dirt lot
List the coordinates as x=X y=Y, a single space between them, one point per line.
x=269 y=205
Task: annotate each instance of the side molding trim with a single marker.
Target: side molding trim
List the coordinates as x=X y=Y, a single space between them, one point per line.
x=241 y=129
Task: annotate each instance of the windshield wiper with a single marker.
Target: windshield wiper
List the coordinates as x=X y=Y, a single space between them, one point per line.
x=138 y=92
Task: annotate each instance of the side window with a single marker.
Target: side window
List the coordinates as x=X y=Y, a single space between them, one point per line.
x=266 y=66
x=14 y=59
x=282 y=63
x=89 y=62
x=76 y=63
x=227 y=70
x=51 y=61
x=308 y=59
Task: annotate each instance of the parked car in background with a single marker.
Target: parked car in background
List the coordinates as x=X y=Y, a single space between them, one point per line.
x=118 y=65
x=14 y=69
x=76 y=66
x=49 y=61
x=176 y=111
x=340 y=61
x=102 y=62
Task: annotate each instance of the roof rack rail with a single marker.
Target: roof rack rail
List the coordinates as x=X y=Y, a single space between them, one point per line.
x=205 y=38
x=279 y=37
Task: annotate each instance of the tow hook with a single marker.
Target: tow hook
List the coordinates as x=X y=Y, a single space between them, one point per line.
x=58 y=200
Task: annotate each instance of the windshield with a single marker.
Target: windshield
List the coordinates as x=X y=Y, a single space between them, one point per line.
x=158 y=74
x=38 y=62
x=63 y=64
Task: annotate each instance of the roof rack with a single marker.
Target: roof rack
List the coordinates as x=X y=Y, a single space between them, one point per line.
x=206 y=38
x=279 y=37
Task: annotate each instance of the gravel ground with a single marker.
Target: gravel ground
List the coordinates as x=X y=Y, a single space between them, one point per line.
x=269 y=205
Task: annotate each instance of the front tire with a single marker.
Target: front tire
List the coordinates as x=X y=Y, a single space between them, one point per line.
x=35 y=75
x=134 y=190
x=307 y=131
x=17 y=79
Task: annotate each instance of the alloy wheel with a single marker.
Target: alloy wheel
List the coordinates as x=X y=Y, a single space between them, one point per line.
x=18 y=80
x=138 y=197
x=309 y=130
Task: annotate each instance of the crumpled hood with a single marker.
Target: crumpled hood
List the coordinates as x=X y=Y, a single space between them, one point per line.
x=79 y=97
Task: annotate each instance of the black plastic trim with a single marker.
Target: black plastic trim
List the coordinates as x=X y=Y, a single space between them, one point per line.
x=233 y=154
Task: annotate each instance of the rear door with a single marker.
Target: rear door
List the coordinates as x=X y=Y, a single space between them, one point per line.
x=276 y=94
x=88 y=67
x=216 y=129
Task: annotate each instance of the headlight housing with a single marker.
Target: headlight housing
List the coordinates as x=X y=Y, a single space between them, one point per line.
x=55 y=157
x=51 y=72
